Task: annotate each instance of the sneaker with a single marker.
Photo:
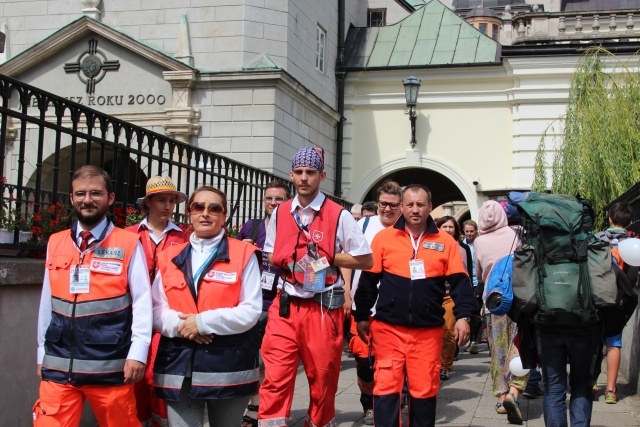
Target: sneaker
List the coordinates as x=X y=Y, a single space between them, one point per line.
x=473 y=348
x=367 y=417
x=610 y=397
x=444 y=375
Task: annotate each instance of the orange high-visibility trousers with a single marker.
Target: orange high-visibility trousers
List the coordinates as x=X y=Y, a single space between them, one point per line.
x=60 y=405
x=313 y=334
x=400 y=351
x=150 y=408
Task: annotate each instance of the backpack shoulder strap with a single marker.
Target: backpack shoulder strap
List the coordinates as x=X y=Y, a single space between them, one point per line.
x=253 y=232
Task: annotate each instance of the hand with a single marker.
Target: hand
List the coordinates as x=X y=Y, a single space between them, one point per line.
x=189 y=330
x=133 y=371
x=363 y=330
x=39 y=371
x=347 y=305
x=248 y=241
x=462 y=331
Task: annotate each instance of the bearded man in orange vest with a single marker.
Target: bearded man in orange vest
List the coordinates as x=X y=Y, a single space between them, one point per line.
x=95 y=317
x=309 y=238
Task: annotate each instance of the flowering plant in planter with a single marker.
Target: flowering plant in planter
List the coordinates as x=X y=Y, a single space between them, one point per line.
x=51 y=219
x=126 y=217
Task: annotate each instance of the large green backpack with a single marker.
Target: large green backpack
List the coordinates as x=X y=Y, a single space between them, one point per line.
x=561 y=272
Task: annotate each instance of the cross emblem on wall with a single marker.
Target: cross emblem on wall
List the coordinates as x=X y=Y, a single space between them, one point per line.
x=93 y=65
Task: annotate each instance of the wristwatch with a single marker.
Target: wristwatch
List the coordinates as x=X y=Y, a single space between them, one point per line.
x=466 y=319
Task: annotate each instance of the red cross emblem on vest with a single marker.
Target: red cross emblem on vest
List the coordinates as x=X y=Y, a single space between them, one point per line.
x=317 y=235
x=96 y=264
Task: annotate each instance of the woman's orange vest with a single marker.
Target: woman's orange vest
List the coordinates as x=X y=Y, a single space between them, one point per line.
x=228 y=366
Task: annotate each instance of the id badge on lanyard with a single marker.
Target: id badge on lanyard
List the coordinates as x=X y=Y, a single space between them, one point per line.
x=80 y=282
x=416 y=266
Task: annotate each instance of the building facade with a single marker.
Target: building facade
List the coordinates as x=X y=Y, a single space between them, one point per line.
x=255 y=80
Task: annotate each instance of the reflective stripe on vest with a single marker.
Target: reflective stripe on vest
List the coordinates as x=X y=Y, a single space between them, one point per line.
x=221 y=379
x=162 y=422
x=83 y=366
x=208 y=379
x=90 y=308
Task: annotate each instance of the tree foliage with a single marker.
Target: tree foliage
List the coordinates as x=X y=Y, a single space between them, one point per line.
x=597 y=154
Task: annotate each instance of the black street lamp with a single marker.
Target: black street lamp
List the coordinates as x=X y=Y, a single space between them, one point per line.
x=411 y=88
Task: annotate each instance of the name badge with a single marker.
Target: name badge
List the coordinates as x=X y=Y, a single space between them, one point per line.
x=109 y=267
x=314 y=280
x=79 y=283
x=267 y=280
x=319 y=264
x=221 y=276
x=115 y=253
x=416 y=267
x=433 y=245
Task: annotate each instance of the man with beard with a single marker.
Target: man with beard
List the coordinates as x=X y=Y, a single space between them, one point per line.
x=309 y=238
x=412 y=261
x=95 y=317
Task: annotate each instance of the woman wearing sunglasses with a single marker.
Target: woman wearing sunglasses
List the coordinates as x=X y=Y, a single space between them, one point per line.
x=157 y=232
x=207 y=299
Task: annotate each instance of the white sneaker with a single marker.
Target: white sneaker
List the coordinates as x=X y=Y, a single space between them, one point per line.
x=367 y=418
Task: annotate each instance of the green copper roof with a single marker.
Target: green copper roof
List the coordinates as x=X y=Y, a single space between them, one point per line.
x=431 y=36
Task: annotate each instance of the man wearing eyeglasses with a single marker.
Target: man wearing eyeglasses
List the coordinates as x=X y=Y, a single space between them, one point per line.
x=310 y=237
x=254 y=231
x=389 y=211
x=95 y=316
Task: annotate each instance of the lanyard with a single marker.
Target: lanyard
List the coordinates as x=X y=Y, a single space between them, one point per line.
x=92 y=247
x=304 y=227
x=415 y=244
x=199 y=272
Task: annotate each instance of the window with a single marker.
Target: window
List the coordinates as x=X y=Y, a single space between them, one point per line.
x=376 y=17
x=494 y=35
x=321 y=41
x=483 y=27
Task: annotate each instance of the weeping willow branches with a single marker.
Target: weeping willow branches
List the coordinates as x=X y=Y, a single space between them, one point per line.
x=597 y=155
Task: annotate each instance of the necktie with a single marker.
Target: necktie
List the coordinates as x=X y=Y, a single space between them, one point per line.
x=86 y=235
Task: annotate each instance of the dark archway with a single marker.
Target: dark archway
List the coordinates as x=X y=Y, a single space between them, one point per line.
x=443 y=190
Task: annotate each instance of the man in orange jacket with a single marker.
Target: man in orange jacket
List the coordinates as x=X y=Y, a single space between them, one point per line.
x=412 y=260
x=95 y=317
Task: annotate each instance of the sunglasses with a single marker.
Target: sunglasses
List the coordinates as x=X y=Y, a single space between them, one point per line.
x=199 y=207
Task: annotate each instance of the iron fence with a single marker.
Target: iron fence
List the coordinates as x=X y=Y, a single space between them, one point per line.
x=44 y=138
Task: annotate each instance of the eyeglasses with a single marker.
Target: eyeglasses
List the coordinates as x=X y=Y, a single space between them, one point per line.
x=392 y=206
x=274 y=199
x=94 y=195
x=199 y=207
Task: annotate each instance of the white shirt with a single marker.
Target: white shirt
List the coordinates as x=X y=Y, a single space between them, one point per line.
x=157 y=239
x=373 y=227
x=349 y=239
x=219 y=321
x=138 y=277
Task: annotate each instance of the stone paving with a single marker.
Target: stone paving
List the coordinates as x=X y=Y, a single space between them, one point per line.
x=465 y=399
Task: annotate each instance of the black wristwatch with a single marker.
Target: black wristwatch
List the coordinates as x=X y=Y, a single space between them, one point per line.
x=466 y=319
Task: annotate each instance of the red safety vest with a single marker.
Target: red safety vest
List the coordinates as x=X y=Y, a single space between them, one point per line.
x=291 y=242
x=151 y=250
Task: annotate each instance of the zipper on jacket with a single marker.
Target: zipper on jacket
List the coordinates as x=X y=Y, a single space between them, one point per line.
x=73 y=335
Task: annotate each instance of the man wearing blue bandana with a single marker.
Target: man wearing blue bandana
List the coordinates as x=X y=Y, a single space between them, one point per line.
x=309 y=238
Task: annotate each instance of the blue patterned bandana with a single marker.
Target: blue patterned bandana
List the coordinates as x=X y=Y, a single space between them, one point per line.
x=309 y=157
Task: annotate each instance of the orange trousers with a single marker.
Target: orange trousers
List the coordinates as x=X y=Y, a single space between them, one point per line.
x=313 y=334
x=412 y=352
x=60 y=405
x=150 y=408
